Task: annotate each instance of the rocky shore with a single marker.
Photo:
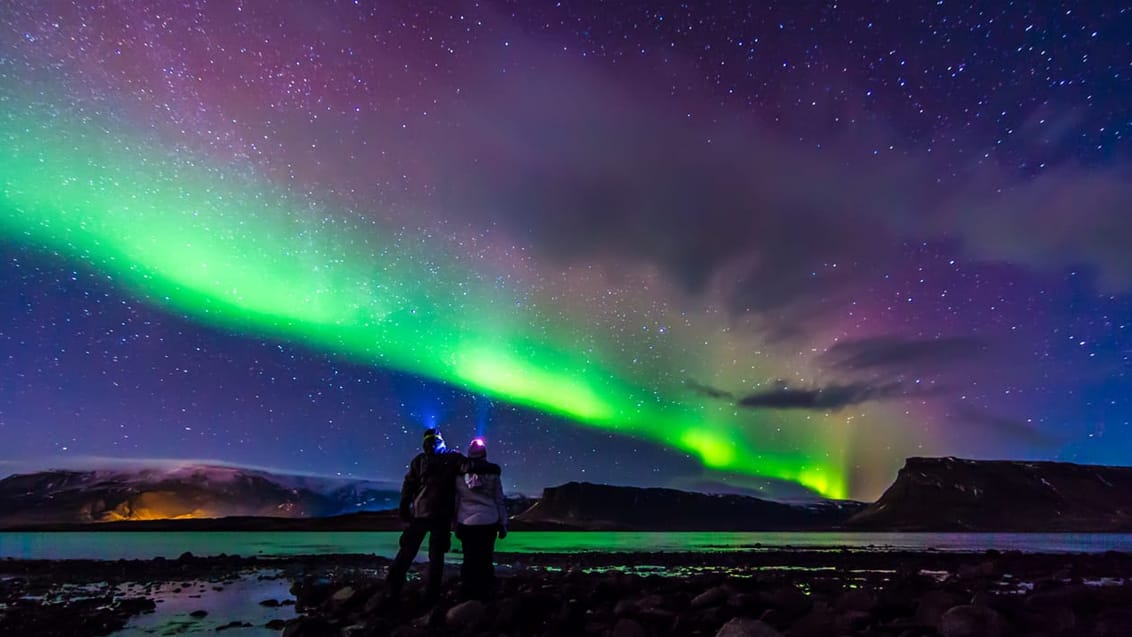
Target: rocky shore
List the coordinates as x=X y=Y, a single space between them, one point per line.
x=796 y=593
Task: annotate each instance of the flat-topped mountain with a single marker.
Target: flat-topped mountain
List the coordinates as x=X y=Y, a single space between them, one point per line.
x=598 y=506
x=951 y=494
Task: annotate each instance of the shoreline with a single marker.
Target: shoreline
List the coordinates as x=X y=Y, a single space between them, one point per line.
x=791 y=592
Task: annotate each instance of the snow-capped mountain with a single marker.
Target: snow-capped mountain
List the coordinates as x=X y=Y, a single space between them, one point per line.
x=182 y=491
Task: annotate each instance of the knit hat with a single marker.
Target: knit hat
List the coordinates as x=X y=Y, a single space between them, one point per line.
x=478 y=449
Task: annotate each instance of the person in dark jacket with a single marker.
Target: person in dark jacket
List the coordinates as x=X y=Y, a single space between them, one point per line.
x=428 y=498
x=480 y=517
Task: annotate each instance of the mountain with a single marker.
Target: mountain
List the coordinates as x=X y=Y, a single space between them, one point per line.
x=181 y=492
x=951 y=494
x=598 y=506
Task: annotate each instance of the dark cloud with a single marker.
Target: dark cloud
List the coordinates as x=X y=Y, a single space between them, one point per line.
x=827 y=398
x=1067 y=217
x=1011 y=427
x=719 y=207
x=774 y=229
x=710 y=392
x=887 y=352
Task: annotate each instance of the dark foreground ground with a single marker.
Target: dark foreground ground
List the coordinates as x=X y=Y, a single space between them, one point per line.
x=732 y=594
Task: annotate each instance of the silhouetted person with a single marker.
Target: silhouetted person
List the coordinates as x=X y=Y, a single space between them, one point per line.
x=428 y=498
x=480 y=517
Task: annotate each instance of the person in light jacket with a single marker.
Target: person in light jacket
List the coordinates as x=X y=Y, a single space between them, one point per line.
x=480 y=518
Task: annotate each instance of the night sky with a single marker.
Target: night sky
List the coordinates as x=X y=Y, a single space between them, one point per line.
x=705 y=245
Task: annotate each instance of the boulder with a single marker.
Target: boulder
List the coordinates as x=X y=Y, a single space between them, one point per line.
x=626 y=627
x=1113 y=622
x=466 y=615
x=714 y=596
x=971 y=621
x=745 y=627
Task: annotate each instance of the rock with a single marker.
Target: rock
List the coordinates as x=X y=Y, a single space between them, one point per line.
x=971 y=621
x=788 y=601
x=1114 y=622
x=355 y=630
x=743 y=602
x=275 y=624
x=657 y=618
x=233 y=624
x=466 y=615
x=625 y=607
x=851 y=621
x=819 y=622
x=628 y=628
x=198 y=614
x=342 y=596
x=270 y=603
x=932 y=605
x=711 y=597
x=744 y=627
x=856 y=600
x=309 y=627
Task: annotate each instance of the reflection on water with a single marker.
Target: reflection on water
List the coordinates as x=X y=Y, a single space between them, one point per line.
x=127 y=545
x=203 y=607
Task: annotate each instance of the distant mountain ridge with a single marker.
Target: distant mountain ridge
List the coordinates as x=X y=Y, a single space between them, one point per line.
x=181 y=492
x=929 y=494
x=599 y=506
x=952 y=494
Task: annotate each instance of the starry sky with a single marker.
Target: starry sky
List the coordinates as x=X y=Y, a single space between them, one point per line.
x=775 y=248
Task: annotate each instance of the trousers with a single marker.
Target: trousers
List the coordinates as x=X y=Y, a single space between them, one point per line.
x=477 y=573
x=439 y=542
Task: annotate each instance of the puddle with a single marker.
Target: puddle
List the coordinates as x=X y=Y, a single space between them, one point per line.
x=237 y=600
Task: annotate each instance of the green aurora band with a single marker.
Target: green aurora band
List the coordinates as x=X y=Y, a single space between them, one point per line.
x=235 y=252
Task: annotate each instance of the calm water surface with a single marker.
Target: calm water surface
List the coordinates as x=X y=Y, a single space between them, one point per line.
x=134 y=545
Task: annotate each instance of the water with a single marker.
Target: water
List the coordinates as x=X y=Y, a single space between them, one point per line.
x=236 y=601
x=141 y=545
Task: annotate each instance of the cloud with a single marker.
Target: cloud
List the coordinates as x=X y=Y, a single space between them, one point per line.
x=827 y=398
x=886 y=352
x=728 y=210
x=710 y=392
x=1070 y=216
x=1012 y=427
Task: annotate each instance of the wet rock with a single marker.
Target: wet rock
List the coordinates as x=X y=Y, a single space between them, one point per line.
x=714 y=596
x=744 y=627
x=309 y=627
x=657 y=618
x=788 y=601
x=628 y=628
x=971 y=621
x=275 y=624
x=851 y=621
x=932 y=605
x=984 y=569
x=198 y=614
x=856 y=600
x=743 y=602
x=465 y=616
x=819 y=622
x=270 y=603
x=625 y=607
x=233 y=624
x=1113 y=622
x=342 y=596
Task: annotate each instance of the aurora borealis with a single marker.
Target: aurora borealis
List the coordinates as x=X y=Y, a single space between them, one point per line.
x=777 y=249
